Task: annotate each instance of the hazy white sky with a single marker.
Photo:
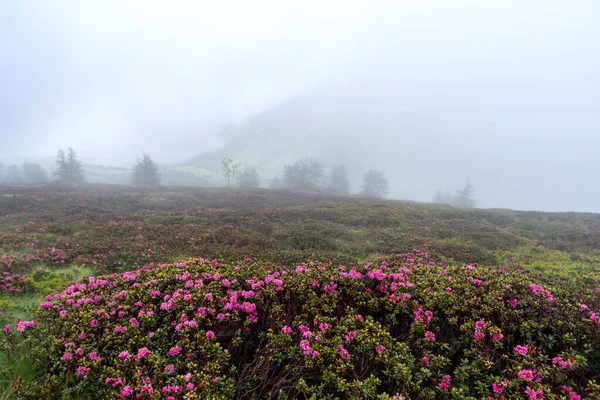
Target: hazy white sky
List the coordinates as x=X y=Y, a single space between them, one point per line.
x=112 y=77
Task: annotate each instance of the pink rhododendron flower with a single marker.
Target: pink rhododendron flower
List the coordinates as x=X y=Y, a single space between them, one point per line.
x=430 y=336
x=522 y=350
x=127 y=391
x=350 y=336
x=478 y=335
x=173 y=351
x=499 y=387
x=343 y=352
x=120 y=329
x=143 y=352
x=286 y=329
x=445 y=384
x=526 y=375
x=210 y=335
x=534 y=394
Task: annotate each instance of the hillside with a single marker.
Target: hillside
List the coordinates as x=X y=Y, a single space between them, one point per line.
x=444 y=296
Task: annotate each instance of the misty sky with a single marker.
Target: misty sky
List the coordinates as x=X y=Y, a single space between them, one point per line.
x=113 y=77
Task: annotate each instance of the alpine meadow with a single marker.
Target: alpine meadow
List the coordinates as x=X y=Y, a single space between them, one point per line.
x=300 y=199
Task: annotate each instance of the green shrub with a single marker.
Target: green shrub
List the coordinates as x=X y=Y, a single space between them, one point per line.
x=404 y=325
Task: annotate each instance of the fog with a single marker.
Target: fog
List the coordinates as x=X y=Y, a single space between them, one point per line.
x=430 y=91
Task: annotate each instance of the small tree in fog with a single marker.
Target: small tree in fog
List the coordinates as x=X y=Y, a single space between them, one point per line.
x=276 y=183
x=338 y=181
x=145 y=171
x=304 y=174
x=14 y=174
x=374 y=184
x=230 y=169
x=33 y=172
x=441 y=197
x=249 y=178
x=69 y=168
x=466 y=196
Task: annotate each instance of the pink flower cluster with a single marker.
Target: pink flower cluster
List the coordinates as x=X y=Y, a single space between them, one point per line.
x=23 y=325
x=534 y=394
x=572 y=394
x=445 y=384
x=480 y=328
x=522 y=350
x=537 y=289
x=565 y=364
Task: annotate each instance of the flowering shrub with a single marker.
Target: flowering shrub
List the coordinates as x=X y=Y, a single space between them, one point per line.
x=387 y=328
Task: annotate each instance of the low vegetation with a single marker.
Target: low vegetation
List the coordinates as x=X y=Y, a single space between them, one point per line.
x=254 y=293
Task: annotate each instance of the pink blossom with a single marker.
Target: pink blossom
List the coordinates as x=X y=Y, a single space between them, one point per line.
x=169 y=369
x=127 y=391
x=67 y=356
x=323 y=327
x=174 y=351
x=143 y=352
x=572 y=394
x=526 y=375
x=426 y=361
x=430 y=336
x=445 y=384
x=380 y=349
x=120 y=329
x=22 y=325
x=478 y=335
x=210 y=335
x=534 y=394
x=286 y=329
x=124 y=355
x=499 y=388
x=350 y=336
x=343 y=352
x=522 y=350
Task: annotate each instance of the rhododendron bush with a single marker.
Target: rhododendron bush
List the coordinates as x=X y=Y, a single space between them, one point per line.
x=400 y=327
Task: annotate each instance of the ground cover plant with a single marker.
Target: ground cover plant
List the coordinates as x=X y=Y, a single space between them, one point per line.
x=188 y=293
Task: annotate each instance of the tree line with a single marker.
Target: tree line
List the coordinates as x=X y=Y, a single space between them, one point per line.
x=301 y=174
x=464 y=197
x=308 y=174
